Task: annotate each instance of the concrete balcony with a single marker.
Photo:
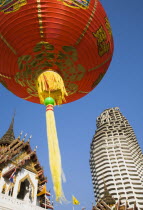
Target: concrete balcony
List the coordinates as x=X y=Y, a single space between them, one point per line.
x=139 y=196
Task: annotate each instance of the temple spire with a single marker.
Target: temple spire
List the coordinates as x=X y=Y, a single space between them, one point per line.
x=107 y=198
x=8 y=137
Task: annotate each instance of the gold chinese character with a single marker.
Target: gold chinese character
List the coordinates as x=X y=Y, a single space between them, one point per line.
x=103 y=45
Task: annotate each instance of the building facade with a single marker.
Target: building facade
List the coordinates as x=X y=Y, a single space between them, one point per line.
x=116 y=159
x=22 y=180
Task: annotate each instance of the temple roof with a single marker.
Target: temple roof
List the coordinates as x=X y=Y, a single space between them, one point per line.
x=106 y=202
x=13 y=154
x=8 y=137
x=102 y=205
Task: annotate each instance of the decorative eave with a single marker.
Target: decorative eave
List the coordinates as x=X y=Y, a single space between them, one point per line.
x=8 y=148
x=101 y=205
x=43 y=182
x=105 y=205
x=120 y=206
x=18 y=166
x=40 y=189
x=46 y=204
x=8 y=153
x=9 y=172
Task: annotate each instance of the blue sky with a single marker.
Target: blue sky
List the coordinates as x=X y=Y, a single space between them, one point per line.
x=122 y=86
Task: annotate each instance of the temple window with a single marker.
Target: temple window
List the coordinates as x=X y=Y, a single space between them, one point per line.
x=25 y=192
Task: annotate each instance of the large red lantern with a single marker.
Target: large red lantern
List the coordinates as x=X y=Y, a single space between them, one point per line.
x=53 y=48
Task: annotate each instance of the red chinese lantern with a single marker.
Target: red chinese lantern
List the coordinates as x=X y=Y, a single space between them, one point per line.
x=53 y=52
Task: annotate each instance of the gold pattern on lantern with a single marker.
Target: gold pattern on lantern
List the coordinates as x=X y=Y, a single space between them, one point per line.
x=95 y=83
x=44 y=58
x=7 y=44
x=88 y=23
x=40 y=18
x=103 y=45
x=25 y=98
x=76 y=4
x=108 y=26
x=11 y=6
x=98 y=66
x=4 y=76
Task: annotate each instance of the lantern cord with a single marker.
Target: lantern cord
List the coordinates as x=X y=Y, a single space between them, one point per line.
x=54 y=154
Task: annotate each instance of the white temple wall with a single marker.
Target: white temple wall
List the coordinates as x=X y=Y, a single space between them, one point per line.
x=10 y=203
x=5 y=181
x=22 y=175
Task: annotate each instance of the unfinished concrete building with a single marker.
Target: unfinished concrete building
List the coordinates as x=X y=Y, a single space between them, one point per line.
x=116 y=159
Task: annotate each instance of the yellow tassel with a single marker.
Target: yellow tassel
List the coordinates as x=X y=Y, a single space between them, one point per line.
x=50 y=83
x=54 y=154
x=51 y=91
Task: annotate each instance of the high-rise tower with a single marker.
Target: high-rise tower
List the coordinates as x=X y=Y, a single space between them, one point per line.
x=116 y=159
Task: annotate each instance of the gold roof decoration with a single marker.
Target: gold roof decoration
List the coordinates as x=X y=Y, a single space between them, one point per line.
x=102 y=205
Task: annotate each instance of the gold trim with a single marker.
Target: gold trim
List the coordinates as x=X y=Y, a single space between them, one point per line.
x=8 y=45
x=80 y=91
x=4 y=188
x=88 y=23
x=30 y=167
x=27 y=97
x=94 y=68
x=75 y=7
x=15 y=6
x=40 y=18
x=75 y=4
x=1 y=75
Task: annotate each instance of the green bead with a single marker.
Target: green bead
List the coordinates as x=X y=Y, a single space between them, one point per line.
x=49 y=100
